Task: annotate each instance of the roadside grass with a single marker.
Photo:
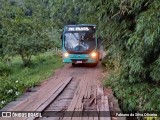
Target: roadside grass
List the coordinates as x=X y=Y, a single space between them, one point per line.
x=15 y=79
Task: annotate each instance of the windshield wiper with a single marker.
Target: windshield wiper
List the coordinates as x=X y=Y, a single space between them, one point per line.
x=75 y=36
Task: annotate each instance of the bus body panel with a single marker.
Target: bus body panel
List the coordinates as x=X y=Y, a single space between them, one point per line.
x=80 y=57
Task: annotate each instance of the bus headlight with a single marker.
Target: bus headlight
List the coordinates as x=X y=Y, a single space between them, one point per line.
x=93 y=54
x=66 y=54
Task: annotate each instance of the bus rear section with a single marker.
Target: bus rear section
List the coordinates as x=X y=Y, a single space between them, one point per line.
x=79 y=44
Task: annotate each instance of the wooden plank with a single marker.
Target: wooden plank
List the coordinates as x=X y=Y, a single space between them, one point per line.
x=95 y=117
x=73 y=103
x=105 y=100
x=34 y=101
x=79 y=106
x=81 y=114
x=101 y=109
x=82 y=94
x=85 y=95
x=78 y=112
x=85 y=117
x=80 y=99
x=89 y=89
x=75 y=98
x=91 y=115
x=98 y=108
x=57 y=90
x=91 y=101
x=95 y=94
x=90 y=118
x=37 y=98
x=76 y=103
x=105 y=107
x=99 y=93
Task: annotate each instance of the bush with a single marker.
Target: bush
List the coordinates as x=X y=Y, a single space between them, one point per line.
x=5 y=69
x=41 y=59
x=107 y=62
x=135 y=97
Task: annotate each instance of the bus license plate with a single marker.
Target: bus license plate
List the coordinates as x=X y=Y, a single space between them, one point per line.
x=78 y=61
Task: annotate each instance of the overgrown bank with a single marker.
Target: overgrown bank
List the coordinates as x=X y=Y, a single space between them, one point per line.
x=137 y=97
x=16 y=79
x=133 y=55
x=132 y=97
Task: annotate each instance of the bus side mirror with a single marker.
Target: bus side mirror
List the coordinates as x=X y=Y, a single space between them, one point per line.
x=61 y=37
x=99 y=39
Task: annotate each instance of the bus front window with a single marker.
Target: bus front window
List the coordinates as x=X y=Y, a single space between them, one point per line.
x=80 y=41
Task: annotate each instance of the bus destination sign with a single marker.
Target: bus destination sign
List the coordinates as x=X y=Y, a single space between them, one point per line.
x=79 y=28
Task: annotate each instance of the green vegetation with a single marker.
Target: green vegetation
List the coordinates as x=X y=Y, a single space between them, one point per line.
x=15 y=79
x=26 y=34
x=132 y=36
x=130 y=30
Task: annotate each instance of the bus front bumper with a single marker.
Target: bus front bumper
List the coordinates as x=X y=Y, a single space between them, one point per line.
x=79 y=58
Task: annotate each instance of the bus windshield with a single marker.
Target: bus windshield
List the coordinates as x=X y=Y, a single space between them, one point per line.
x=80 y=41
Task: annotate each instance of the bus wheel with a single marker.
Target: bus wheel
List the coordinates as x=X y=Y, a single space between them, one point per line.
x=73 y=64
x=95 y=64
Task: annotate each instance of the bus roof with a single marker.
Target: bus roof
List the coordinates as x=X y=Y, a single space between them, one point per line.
x=81 y=25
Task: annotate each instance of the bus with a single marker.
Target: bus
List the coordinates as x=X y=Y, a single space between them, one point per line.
x=80 y=44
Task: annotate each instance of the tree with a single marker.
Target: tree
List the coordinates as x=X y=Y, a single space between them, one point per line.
x=25 y=29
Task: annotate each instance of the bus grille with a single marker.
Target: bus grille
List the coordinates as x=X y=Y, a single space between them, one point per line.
x=83 y=60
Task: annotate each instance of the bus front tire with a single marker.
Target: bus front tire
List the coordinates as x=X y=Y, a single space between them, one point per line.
x=95 y=64
x=73 y=64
